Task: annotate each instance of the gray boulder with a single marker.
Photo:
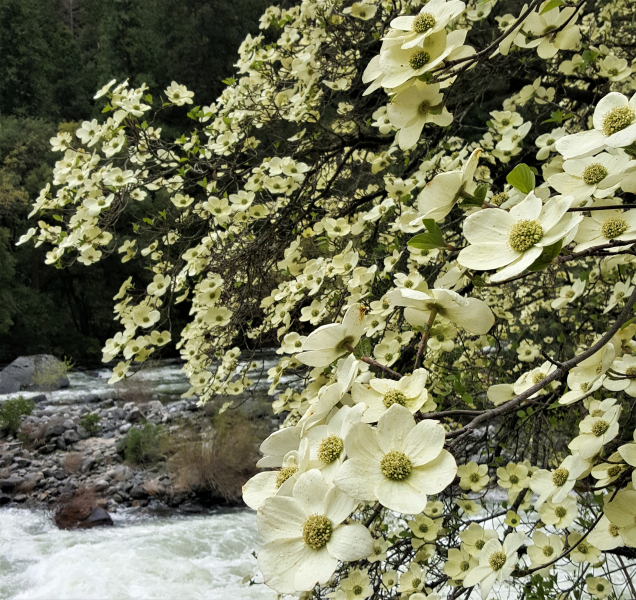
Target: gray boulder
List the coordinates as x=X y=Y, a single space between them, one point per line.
x=38 y=372
x=99 y=517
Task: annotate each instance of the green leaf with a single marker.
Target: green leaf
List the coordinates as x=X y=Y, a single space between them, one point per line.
x=428 y=241
x=363 y=348
x=551 y=5
x=480 y=192
x=547 y=256
x=521 y=178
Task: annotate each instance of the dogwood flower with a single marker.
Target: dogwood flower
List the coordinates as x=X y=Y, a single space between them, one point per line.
x=596 y=432
x=606 y=225
x=409 y=111
x=623 y=378
x=400 y=65
x=398 y=464
x=558 y=483
x=439 y=196
x=472 y=314
x=328 y=342
x=544 y=548
x=599 y=587
x=473 y=477
x=305 y=536
x=326 y=442
x=380 y=394
x=459 y=563
x=614 y=123
x=597 y=176
x=431 y=19
x=621 y=511
x=515 y=239
x=496 y=562
x=560 y=514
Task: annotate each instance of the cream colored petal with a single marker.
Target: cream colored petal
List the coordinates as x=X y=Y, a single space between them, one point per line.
x=350 y=542
x=607 y=103
x=436 y=475
x=361 y=442
x=280 y=517
x=401 y=496
x=358 y=478
x=529 y=208
x=338 y=505
x=425 y=442
x=485 y=256
x=259 y=488
x=317 y=567
x=518 y=267
x=393 y=428
x=583 y=143
x=489 y=226
x=279 y=561
x=310 y=491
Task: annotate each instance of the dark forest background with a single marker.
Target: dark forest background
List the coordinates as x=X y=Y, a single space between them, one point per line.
x=54 y=56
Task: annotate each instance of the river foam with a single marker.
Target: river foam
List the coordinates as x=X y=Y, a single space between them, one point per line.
x=193 y=558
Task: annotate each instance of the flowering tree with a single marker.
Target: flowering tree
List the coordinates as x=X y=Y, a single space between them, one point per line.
x=427 y=207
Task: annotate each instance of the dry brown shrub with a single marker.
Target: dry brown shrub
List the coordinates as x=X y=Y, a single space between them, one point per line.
x=73 y=462
x=134 y=389
x=151 y=487
x=219 y=464
x=71 y=509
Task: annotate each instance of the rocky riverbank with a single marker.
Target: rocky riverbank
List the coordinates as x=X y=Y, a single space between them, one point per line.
x=54 y=455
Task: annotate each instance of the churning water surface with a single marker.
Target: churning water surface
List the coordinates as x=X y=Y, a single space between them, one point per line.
x=189 y=558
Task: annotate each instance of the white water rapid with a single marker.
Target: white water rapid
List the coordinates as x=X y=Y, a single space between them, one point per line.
x=172 y=558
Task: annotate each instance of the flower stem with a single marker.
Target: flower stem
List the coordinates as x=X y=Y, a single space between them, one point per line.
x=422 y=346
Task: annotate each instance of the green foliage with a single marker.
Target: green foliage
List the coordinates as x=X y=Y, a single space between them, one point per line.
x=522 y=178
x=12 y=411
x=90 y=422
x=428 y=241
x=144 y=446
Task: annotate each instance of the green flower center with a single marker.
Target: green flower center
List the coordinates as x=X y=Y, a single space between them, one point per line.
x=357 y=590
x=396 y=466
x=464 y=565
x=394 y=397
x=537 y=378
x=614 y=471
x=560 y=477
x=317 y=531
x=583 y=548
x=499 y=199
x=419 y=58
x=613 y=530
x=514 y=479
x=474 y=477
x=617 y=119
x=284 y=474
x=594 y=173
x=479 y=544
x=497 y=560
x=425 y=107
x=423 y=22
x=599 y=428
x=599 y=586
x=560 y=512
x=416 y=582
x=525 y=234
x=330 y=449
x=613 y=227
x=423 y=528
x=548 y=551
x=630 y=372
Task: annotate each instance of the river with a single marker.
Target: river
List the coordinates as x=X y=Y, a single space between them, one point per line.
x=142 y=556
x=193 y=558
